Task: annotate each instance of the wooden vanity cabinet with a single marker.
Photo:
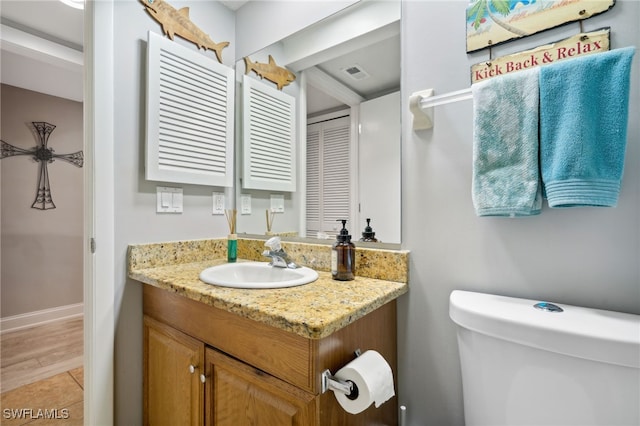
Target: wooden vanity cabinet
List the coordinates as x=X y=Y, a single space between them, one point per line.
x=238 y=394
x=254 y=373
x=173 y=390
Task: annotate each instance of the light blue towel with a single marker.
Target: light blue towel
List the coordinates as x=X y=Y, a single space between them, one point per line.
x=506 y=177
x=583 y=128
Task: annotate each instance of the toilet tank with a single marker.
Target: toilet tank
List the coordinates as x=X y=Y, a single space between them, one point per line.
x=527 y=366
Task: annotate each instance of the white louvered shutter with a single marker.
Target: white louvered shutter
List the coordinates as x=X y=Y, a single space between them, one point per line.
x=190 y=116
x=329 y=175
x=269 y=136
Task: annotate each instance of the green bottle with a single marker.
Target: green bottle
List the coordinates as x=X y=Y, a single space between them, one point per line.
x=232 y=248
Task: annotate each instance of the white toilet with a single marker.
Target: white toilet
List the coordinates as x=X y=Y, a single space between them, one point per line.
x=523 y=365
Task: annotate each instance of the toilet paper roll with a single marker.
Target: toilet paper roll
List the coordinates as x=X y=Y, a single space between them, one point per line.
x=371 y=373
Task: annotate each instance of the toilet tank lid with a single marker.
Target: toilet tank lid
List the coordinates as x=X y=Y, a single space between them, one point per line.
x=594 y=334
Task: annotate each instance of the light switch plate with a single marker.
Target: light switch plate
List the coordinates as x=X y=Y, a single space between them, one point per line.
x=245 y=204
x=218 y=203
x=277 y=203
x=169 y=200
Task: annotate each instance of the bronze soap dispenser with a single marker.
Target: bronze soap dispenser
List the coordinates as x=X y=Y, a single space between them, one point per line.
x=343 y=256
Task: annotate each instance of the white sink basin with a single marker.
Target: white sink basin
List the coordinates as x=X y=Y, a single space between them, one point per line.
x=257 y=275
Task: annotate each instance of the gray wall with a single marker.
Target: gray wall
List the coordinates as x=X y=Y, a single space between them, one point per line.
x=41 y=249
x=585 y=256
x=135 y=198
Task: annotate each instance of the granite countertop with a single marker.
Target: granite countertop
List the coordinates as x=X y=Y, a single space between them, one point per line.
x=314 y=310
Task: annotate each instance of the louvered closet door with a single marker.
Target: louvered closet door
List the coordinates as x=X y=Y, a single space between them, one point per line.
x=314 y=177
x=328 y=175
x=189 y=116
x=269 y=136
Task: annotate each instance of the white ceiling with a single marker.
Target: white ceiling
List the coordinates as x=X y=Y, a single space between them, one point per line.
x=61 y=29
x=234 y=4
x=51 y=18
x=42 y=42
x=380 y=62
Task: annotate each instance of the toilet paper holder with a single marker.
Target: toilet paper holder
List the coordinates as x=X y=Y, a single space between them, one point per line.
x=347 y=387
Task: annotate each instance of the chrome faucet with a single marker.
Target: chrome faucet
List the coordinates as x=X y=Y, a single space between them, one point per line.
x=279 y=258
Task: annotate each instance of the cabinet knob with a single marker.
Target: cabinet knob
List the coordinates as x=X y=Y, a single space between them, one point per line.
x=203 y=378
x=192 y=368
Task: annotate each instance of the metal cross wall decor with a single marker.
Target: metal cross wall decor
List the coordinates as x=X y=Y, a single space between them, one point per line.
x=43 y=155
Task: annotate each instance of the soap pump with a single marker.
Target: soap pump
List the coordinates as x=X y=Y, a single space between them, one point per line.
x=368 y=234
x=343 y=255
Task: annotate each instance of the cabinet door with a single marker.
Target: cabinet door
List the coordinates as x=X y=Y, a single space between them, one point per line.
x=173 y=391
x=238 y=395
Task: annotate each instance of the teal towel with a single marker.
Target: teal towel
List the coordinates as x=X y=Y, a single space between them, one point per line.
x=583 y=128
x=506 y=177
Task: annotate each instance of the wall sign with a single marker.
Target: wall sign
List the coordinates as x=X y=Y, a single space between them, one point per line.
x=43 y=155
x=578 y=45
x=490 y=22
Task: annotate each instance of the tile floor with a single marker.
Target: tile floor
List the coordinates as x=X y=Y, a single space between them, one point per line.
x=41 y=375
x=57 y=400
x=32 y=354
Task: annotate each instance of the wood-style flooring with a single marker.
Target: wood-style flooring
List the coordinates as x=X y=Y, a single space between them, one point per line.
x=41 y=375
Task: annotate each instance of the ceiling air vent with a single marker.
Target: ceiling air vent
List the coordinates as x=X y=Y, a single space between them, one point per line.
x=355 y=72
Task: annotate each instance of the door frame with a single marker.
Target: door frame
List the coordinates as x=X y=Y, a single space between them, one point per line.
x=99 y=217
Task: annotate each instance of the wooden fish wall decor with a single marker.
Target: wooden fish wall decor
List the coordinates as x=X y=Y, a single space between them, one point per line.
x=271 y=71
x=175 y=21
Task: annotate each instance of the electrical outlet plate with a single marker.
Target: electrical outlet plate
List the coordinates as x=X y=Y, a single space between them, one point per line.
x=245 y=204
x=218 y=203
x=277 y=203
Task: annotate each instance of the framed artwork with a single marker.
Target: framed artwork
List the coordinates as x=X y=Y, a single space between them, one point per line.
x=491 y=22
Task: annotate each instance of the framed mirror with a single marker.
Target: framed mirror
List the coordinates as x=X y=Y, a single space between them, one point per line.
x=347 y=130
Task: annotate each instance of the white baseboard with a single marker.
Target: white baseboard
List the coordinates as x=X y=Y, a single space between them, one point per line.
x=31 y=319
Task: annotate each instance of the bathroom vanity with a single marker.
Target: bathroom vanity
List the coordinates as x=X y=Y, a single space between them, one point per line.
x=228 y=356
